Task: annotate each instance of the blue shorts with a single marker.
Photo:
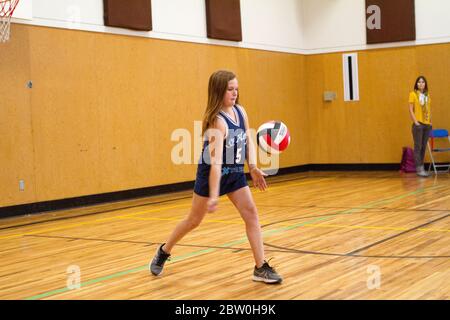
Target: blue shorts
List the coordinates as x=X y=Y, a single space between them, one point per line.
x=232 y=179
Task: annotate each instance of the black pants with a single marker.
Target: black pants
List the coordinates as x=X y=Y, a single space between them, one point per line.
x=420 y=135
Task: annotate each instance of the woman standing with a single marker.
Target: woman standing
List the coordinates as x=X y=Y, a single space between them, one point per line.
x=420 y=112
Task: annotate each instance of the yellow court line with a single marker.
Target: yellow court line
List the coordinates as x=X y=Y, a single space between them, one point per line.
x=90 y=222
x=129 y=215
x=288 y=225
x=64 y=227
x=132 y=216
x=298 y=184
x=235 y=221
x=179 y=219
x=241 y=222
x=371 y=227
x=355 y=227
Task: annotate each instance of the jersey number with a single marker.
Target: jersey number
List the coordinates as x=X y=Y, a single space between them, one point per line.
x=238 y=155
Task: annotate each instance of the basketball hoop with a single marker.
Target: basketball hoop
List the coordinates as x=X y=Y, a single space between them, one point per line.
x=6 y=11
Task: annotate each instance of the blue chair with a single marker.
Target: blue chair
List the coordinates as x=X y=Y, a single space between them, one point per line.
x=438 y=134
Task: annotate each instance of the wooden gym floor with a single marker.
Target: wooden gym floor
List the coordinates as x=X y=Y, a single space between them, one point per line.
x=332 y=235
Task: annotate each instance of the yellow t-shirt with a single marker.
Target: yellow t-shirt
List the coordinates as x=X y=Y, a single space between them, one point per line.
x=422 y=107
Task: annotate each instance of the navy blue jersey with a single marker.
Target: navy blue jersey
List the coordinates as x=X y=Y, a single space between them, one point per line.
x=233 y=157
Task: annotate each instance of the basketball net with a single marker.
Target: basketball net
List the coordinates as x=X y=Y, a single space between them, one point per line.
x=6 y=10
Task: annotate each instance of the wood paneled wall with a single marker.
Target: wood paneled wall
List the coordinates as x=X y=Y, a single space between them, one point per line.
x=374 y=129
x=16 y=127
x=102 y=109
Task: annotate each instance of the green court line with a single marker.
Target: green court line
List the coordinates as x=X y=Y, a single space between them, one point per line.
x=240 y=241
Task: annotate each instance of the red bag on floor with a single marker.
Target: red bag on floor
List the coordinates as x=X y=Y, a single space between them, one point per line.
x=408 y=164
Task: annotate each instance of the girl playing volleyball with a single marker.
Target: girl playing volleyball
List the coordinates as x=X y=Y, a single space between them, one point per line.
x=221 y=171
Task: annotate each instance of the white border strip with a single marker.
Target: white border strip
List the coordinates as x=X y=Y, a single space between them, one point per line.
x=248 y=45
x=60 y=24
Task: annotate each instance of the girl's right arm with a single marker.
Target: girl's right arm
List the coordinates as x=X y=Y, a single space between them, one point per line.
x=216 y=137
x=411 y=114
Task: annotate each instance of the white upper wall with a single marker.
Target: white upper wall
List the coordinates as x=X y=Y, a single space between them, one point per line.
x=80 y=12
x=266 y=24
x=272 y=23
x=297 y=26
x=179 y=17
x=433 y=19
x=332 y=24
x=24 y=10
x=338 y=25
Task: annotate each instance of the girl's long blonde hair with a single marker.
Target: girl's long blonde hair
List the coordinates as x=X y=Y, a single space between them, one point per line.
x=217 y=87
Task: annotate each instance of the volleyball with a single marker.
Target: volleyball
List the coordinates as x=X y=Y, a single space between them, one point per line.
x=273 y=137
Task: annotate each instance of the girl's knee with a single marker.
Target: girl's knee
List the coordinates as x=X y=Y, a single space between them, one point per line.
x=250 y=216
x=193 y=223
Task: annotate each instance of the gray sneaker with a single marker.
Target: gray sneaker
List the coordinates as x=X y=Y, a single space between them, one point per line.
x=157 y=264
x=266 y=274
x=421 y=172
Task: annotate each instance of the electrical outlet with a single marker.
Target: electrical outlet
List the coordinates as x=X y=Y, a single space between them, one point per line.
x=21 y=185
x=329 y=96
